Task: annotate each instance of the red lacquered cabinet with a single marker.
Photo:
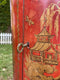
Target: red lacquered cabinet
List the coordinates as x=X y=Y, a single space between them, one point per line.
x=35 y=28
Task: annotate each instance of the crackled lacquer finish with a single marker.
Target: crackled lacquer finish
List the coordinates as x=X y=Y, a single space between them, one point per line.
x=36 y=22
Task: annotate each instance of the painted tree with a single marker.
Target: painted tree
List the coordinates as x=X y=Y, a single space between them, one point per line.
x=52 y=14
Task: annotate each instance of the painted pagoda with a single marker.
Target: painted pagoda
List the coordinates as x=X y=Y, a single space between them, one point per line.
x=43 y=51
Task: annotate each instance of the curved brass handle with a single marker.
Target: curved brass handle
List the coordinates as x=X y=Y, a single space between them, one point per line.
x=23 y=45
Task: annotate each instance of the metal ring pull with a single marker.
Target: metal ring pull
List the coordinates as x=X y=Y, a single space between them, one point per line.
x=22 y=45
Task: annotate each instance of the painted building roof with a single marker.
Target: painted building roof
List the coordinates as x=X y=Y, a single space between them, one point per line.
x=41 y=46
x=44 y=32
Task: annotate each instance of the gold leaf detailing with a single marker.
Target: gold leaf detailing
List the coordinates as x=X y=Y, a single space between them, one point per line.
x=30 y=22
x=35 y=70
x=54 y=45
x=58 y=2
x=42 y=20
x=25 y=79
x=59 y=47
x=28 y=61
x=58 y=78
x=50 y=21
x=56 y=25
x=47 y=16
x=49 y=13
x=52 y=8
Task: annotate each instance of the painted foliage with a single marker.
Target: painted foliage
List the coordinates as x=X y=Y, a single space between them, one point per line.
x=36 y=22
x=43 y=59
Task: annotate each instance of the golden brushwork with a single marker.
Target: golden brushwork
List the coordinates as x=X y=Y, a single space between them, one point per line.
x=57 y=25
x=30 y=22
x=35 y=70
x=44 y=53
x=49 y=13
x=37 y=65
x=43 y=46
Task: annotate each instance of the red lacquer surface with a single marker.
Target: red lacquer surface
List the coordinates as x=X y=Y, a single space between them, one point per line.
x=26 y=22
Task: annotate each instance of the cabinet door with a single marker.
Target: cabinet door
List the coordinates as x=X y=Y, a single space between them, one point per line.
x=38 y=23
